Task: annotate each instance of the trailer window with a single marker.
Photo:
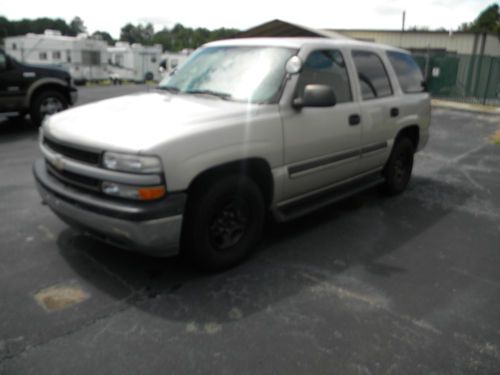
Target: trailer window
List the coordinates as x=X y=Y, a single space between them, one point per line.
x=91 y=58
x=56 y=55
x=42 y=55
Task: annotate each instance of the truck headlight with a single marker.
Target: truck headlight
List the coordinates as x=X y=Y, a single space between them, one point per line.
x=142 y=193
x=131 y=163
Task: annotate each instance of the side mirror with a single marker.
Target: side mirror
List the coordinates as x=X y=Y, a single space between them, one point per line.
x=316 y=96
x=425 y=86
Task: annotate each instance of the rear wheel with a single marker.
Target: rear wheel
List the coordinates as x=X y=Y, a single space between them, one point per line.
x=47 y=103
x=398 y=169
x=224 y=221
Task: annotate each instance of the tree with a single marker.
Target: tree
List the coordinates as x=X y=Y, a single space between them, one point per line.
x=487 y=21
x=77 y=26
x=137 y=34
x=103 y=35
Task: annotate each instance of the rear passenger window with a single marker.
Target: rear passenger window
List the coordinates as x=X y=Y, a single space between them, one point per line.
x=372 y=75
x=326 y=67
x=409 y=75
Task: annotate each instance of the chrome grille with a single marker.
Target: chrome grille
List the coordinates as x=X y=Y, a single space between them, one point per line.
x=85 y=156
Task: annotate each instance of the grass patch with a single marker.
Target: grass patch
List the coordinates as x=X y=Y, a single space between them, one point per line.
x=495 y=138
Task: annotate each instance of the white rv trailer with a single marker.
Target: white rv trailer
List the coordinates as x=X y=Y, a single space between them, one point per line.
x=134 y=62
x=171 y=60
x=84 y=58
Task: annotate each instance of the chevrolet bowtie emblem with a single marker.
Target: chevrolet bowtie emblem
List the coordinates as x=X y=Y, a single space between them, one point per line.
x=58 y=162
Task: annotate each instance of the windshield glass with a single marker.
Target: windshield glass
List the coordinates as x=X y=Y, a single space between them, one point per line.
x=250 y=74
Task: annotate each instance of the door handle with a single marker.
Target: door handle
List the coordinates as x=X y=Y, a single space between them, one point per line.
x=354 y=119
x=394 y=112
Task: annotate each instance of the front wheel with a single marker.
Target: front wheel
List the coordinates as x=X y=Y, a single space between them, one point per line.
x=397 y=171
x=224 y=221
x=47 y=103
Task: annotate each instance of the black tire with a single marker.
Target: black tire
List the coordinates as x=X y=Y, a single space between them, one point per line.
x=47 y=103
x=397 y=172
x=223 y=222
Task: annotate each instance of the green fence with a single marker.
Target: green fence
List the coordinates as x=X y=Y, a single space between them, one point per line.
x=464 y=78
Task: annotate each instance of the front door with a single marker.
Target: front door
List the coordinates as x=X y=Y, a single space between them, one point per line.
x=322 y=143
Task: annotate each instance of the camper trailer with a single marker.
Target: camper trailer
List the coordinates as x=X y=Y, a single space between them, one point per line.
x=134 y=62
x=84 y=58
x=171 y=60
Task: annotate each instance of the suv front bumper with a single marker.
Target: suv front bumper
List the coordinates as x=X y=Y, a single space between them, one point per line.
x=149 y=227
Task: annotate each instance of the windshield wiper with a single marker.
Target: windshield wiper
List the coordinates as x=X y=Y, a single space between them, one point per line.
x=171 y=89
x=221 y=95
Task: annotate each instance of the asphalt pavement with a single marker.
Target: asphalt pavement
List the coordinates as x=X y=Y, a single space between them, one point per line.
x=372 y=285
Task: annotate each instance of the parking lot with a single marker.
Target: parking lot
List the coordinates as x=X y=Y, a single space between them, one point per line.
x=372 y=285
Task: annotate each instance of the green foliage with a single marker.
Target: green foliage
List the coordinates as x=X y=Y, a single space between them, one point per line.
x=487 y=21
x=103 y=35
x=37 y=26
x=175 y=39
x=77 y=26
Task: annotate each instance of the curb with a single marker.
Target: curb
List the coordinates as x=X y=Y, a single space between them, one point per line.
x=478 y=108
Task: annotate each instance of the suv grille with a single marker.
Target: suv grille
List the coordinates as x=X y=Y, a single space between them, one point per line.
x=73 y=179
x=73 y=153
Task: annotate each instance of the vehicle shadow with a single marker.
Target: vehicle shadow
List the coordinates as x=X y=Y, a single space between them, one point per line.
x=292 y=257
x=16 y=128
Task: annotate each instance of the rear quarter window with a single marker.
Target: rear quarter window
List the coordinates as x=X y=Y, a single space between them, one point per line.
x=409 y=75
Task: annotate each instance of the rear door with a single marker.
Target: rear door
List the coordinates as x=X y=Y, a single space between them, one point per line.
x=379 y=111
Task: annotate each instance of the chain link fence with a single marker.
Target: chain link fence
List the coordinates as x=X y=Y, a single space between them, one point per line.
x=463 y=78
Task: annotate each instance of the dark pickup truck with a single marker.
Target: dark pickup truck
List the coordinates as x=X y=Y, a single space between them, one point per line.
x=36 y=90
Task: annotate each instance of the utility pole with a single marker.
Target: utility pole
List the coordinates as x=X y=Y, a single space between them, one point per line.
x=402 y=29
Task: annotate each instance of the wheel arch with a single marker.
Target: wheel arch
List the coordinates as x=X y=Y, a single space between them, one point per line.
x=257 y=169
x=411 y=132
x=47 y=84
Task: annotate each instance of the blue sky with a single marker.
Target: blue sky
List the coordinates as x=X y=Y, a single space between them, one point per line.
x=379 y=14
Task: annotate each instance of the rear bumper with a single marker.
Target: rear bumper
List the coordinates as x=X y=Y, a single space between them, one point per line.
x=153 y=228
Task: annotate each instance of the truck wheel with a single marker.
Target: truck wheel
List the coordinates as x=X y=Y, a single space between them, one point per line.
x=47 y=103
x=397 y=171
x=223 y=223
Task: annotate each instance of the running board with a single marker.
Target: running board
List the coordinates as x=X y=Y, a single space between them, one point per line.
x=304 y=206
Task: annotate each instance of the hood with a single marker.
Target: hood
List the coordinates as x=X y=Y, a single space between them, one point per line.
x=139 y=122
x=47 y=70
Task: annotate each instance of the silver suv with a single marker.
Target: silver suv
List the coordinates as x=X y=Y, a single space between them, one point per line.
x=245 y=126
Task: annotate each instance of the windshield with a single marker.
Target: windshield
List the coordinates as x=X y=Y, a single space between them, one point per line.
x=250 y=74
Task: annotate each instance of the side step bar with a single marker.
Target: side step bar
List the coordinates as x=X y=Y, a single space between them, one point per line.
x=304 y=206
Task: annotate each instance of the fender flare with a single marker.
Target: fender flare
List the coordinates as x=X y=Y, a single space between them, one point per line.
x=42 y=82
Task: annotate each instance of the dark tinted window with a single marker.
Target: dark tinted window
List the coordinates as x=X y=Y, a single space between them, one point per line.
x=409 y=75
x=326 y=67
x=372 y=75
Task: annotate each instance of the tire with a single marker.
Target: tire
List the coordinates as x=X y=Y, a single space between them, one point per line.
x=47 y=103
x=223 y=222
x=397 y=172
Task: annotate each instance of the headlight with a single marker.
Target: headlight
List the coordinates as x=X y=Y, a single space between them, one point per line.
x=143 y=193
x=131 y=163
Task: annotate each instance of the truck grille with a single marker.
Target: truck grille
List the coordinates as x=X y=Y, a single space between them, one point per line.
x=73 y=179
x=72 y=152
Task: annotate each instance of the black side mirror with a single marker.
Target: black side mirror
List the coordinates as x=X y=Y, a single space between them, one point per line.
x=316 y=96
x=425 y=86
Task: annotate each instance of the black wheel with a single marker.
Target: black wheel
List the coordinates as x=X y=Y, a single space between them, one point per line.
x=47 y=103
x=397 y=171
x=223 y=222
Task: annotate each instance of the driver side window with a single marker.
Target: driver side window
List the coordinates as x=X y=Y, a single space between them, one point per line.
x=326 y=67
